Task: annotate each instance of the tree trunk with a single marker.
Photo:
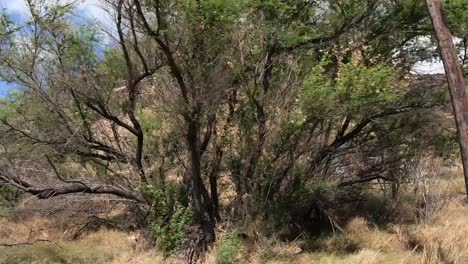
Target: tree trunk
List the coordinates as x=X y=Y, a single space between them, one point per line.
x=195 y=168
x=214 y=181
x=455 y=79
x=203 y=206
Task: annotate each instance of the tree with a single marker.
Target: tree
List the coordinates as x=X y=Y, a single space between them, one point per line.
x=454 y=73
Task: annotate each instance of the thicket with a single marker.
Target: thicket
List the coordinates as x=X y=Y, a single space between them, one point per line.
x=292 y=114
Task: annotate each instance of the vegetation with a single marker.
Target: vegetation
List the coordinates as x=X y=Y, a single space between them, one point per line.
x=230 y=125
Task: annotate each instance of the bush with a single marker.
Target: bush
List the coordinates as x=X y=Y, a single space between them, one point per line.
x=4 y=211
x=8 y=198
x=169 y=217
x=169 y=235
x=303 y=207
x=230 y=248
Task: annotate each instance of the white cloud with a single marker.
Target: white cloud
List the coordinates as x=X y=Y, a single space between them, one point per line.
x=95 y=9
x=14 y=5
x=92 y=8
x=424 y=67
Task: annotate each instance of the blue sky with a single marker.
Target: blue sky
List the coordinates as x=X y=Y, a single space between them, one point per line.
x=3 y=89
x=18 y=12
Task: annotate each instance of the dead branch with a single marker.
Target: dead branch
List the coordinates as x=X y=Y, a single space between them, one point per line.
x=68 y=188
x=30 y=243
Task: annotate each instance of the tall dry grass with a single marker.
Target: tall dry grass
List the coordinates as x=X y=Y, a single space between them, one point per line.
x=445 y=240
x=441 y=236
x=42 y=241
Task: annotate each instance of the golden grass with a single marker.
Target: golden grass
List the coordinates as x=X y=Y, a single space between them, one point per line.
x=441 y=239
x=103 y=246
x=446 y=239
x=37 y=228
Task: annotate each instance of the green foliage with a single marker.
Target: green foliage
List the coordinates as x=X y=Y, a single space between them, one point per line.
x=318 y=96
x=4 y=211
x=358 y=89
x=457 y=14
x=343 y=11
x=170 y=235
x=286 y=22
x=291 y=206
x=112 y=66
x=229 y=249
x=169 y=216
x=223 y=51
x=364 y=89
x=383 y=210
x=78 y=47
x=221 y=11
x=279 y=214
x=9 y=106
x=6 y=30
x=149 y=122
x=8 y=198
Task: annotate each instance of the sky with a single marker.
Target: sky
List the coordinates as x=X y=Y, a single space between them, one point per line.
x=18 y=11
x=91 y=9
x=88 y=7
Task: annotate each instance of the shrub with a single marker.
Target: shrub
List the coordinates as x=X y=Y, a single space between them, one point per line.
x=8 y=197
x=169 y=217
x=4 y=211
x=302 y=207
x=229 y=250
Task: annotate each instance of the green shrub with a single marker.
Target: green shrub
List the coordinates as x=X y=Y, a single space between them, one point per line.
x=8 y=198
x=290 y=209
x=169 y=217
x=169 y=235
x=4 y=211
x=229 y=251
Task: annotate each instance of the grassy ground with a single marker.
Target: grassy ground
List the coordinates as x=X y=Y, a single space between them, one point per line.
x=444 y=240
x=104 y=246
x=441 y=238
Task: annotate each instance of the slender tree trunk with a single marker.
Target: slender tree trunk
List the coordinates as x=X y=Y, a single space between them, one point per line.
x=204 y=213
x=455 y=78
x=214 y=181
x=195 y=168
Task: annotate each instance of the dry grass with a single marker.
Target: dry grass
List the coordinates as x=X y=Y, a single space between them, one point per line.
x=36 y=228
x=442 y=241
x=441 y=238
x=446 y=239
x=104 y=246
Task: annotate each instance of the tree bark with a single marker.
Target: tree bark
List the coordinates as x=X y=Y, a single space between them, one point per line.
x=201 y=200
x=455 y=79
x=68 y=187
